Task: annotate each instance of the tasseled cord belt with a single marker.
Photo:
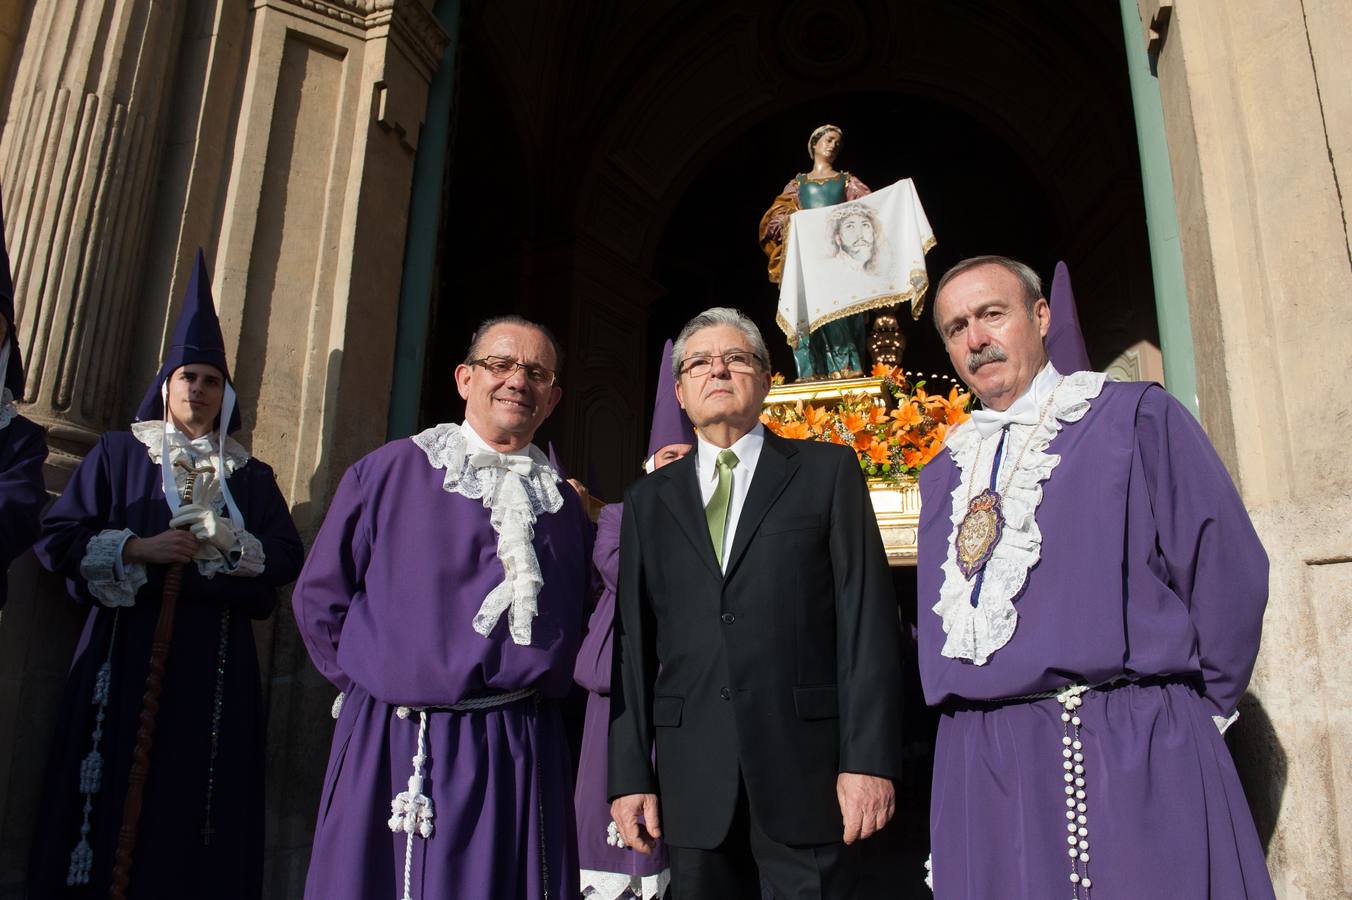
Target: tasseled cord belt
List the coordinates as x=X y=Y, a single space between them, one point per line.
x=411 y=810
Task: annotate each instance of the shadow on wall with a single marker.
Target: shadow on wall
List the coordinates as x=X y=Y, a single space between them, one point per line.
x=297 y=698
x=1261 y=763
x=39 y=628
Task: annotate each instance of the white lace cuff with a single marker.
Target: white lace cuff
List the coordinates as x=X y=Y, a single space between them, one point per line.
x=111 y=581
x=614 y=885
x=7 y=410
x=251 y=560
x=1224 y=722
x=244 y=560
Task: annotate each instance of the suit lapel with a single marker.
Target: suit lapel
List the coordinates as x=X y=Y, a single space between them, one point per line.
x=681 y=494
x=774 y=469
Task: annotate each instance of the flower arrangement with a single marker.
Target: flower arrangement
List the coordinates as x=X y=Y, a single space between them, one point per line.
x=893 y=439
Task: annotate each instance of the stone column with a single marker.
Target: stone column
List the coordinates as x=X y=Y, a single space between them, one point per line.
x=83 y=134
x=1258 y=110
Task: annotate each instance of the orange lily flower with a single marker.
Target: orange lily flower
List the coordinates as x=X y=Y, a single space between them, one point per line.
x=907 y=415
x=878 y=452
x=853 y=422
x=818 y=419
x=795 y=430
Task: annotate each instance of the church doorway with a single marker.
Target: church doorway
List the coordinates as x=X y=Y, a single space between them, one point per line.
x=608 y=171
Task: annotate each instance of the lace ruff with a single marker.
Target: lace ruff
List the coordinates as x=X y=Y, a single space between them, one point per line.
x=974 y=633
x=201 y=450
x=514 y=501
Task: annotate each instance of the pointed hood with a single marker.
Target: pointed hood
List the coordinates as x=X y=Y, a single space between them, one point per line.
x=670 y=423
x=11 y=363
x=197 y=339
x=1065 y=343
x=555 y=463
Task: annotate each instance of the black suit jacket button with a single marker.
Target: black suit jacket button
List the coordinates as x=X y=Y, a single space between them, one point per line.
x=725 y=693
x=728 y=618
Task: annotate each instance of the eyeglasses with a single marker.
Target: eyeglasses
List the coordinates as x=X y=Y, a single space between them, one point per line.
x=742 y=362
x=502 y=367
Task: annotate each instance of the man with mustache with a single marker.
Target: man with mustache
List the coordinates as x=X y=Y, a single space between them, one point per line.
x=756 y=646
x=1092 y=596
x=445 y=596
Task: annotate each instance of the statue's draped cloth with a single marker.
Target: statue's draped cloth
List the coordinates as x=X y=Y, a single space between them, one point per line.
x=823 y=283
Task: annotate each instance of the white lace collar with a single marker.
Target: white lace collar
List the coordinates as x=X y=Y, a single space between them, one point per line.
x=197 y=450
x=7 y=409
x=516 y=488
x=974 y=633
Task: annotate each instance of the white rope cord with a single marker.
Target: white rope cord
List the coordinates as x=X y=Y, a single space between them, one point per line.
x=91 y=769
x=411 y=810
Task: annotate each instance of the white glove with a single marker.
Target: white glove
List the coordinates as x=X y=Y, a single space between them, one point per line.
x=206 y=526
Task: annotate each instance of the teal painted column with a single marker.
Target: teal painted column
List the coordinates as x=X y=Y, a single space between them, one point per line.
x=420 y=247
x=1161 y=216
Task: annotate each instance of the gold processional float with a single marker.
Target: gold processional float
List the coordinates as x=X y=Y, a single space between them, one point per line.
x=895 y=421
x=841 y=255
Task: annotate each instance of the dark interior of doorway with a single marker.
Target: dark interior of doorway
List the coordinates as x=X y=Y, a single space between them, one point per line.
x=984 y=186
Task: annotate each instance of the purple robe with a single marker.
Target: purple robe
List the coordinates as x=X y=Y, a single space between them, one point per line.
x=593 y=671
x=117 y=486
x=385 y=606
x=23 y=448
x=1149 y=569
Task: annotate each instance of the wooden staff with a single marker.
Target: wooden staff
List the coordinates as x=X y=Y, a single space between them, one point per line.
x=145 y=731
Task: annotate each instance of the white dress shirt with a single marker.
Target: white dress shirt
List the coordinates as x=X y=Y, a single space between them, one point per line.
x=748 y=450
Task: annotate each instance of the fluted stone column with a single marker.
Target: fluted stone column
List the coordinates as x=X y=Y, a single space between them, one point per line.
x=79 y=159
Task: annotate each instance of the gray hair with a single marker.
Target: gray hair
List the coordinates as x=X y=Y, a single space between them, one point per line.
x=1032 y=284
x=713 y=318
x=513 y=319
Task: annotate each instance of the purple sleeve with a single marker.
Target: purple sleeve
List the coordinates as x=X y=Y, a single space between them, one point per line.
x=1214 y=559
x=84 y=509
x=854 y=188
x=592 y=669
x=22 y=493
x=334 y=578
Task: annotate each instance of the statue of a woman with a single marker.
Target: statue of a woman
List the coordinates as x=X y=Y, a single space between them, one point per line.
x=837 y=348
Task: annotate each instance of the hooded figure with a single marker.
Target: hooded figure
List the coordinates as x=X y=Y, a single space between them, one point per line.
x=607 y=867
x=23 y=444
x=174 y=490
x=1065 y=343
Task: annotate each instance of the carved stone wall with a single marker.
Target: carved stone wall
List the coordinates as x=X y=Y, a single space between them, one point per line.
x=1258 y=111
x=279 y=136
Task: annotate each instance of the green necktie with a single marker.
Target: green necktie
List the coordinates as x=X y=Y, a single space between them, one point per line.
x=716 y=513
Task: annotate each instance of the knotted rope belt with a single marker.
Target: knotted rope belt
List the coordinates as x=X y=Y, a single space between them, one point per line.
x=411 y=811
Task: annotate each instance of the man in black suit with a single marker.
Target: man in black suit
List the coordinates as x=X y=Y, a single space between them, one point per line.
x=757 y=646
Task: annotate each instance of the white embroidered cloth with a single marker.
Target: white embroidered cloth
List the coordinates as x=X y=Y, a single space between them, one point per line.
x=843 y=259
x=516 y=488
x=974 y=633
